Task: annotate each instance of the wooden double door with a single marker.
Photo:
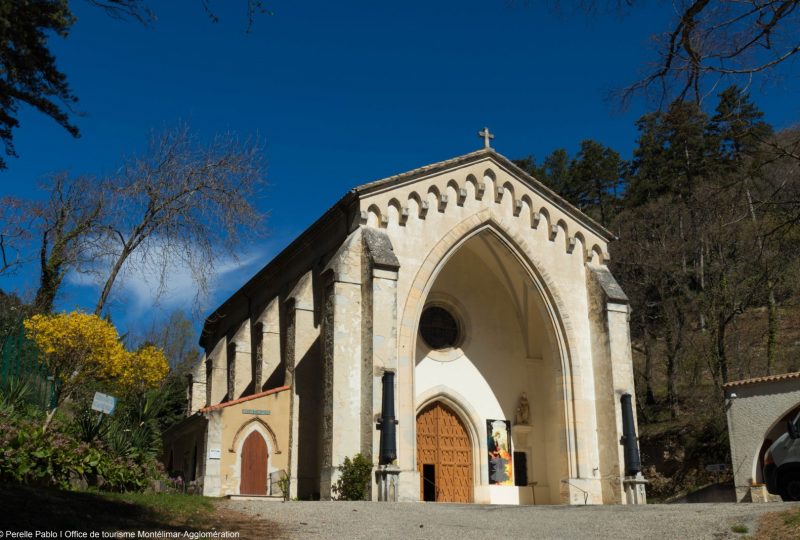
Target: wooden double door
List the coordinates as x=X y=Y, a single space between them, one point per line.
x=444 y=455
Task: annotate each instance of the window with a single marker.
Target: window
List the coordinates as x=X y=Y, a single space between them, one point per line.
x=439 y=328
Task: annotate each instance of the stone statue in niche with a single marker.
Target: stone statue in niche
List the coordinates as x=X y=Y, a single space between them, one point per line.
x=523 y=411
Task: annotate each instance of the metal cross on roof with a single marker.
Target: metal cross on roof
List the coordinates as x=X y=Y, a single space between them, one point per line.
x=486 y=137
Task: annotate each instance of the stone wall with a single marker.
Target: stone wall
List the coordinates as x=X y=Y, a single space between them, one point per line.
x=756 y=409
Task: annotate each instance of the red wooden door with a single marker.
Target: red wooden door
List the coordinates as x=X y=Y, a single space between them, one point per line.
x=254 y=465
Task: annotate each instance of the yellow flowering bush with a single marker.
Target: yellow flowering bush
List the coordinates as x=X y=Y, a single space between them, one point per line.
x=145 y=368
x=78 y=347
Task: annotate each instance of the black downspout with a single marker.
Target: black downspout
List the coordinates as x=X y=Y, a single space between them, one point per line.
x=633 y=464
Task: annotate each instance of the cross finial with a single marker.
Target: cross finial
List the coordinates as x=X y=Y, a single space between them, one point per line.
x=486 y=137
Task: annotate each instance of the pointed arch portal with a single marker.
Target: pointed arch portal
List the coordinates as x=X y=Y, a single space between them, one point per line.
x=510 y=342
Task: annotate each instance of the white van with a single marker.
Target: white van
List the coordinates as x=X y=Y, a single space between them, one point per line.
x=782 y=463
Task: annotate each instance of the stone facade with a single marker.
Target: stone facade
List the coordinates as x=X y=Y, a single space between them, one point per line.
x=757 y=411
x=523 y=275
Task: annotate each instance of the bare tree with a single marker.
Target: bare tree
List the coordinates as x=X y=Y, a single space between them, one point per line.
x=180 y=202
x=140 y=11
x=59 y=229
x=66 y=222
x=125 y=9
x=13 y=233
x=720 y=39
x=648 y=259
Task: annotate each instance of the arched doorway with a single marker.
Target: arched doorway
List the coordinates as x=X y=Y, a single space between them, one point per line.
x=777 y=429
x=444 y=456
x=254 y=465
x=487 y=332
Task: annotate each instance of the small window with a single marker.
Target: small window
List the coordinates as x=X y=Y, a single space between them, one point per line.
x=439 y=328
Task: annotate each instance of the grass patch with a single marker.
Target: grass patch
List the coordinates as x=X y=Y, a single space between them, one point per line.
x=168 y=506
x=792 y=518
x=27 y=508
x=36 y=508
x=739 y=528
x=779 y=525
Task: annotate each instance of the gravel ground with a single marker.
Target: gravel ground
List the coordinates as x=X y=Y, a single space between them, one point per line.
x=355 y=520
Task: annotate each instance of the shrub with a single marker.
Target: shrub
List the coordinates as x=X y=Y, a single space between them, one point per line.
x=355 y=479
x=15 y=396
x=283 y=485
x=56 y=458
x=79 y=349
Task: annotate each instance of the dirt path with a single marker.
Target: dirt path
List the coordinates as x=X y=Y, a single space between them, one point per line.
x=350 y=520
x=32 y=509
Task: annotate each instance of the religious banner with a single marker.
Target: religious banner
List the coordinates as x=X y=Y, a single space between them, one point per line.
x=499 y=445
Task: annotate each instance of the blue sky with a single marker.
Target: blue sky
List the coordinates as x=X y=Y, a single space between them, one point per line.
x=341 y=93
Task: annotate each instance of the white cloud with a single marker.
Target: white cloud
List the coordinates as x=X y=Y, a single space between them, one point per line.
x=140 y=288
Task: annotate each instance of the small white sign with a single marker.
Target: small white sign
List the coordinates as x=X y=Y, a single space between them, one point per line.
x=214 y=453
x=104 y=403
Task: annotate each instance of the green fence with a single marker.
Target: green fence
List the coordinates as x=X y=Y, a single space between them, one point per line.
x=19 y=361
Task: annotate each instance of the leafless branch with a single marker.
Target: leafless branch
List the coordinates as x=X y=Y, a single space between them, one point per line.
x=711 y=40
x=184 y=203
x=136 y=10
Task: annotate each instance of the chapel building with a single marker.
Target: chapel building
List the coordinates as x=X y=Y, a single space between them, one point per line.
x=488 y=297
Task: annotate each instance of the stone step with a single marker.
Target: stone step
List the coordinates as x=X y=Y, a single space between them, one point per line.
x=272 y=498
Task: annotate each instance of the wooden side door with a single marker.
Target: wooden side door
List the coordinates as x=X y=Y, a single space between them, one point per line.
x=254 y=465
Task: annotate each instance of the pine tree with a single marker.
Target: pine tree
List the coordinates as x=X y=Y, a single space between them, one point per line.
x=28 y=72
x=595 y=177
x=675 y=152
x=554 y=172
x=557 y=172
x=738 y=124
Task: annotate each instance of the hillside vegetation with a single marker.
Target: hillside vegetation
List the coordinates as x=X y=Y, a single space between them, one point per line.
x=706 y=214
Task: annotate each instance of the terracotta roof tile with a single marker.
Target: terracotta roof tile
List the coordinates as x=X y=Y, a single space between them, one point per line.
x=243 y=399
x=768 y=378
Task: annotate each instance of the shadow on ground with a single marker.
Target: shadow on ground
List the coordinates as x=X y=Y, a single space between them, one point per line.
x=26 y=508
x=31 y=509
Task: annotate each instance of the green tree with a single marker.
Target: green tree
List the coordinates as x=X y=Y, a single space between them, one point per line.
x=675 y=152
x=28 y=72
x=556 y=169
x=12 y=312
x=592 y=181
x=29 y=75
x=528 y=164
x=554 y=173
x=595 y=177
x=740 y=129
